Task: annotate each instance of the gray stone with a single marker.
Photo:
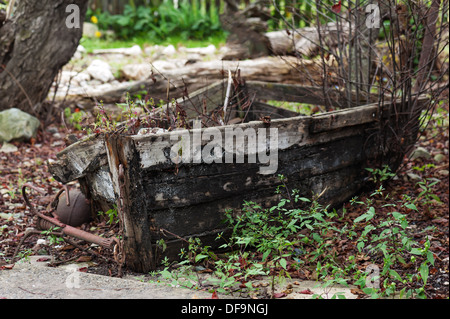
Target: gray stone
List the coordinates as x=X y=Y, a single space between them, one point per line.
x=209 y=50
x=89 y=30
x=100 y=70
x=17 y=125
x=8 y=148
x=169 y=50
x=137 y=71
x=439 y=157
x=135 y=50
x=80 y=52
x=162 y=66
x=420 y=152
x=443 y=172
x=414 y=177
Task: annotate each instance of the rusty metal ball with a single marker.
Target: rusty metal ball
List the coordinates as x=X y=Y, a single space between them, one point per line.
x=77 y=213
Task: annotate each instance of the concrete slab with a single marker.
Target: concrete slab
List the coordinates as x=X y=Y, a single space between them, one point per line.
x=32 y=279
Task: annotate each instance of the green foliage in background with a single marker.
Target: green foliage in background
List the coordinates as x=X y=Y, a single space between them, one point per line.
x=191 y=20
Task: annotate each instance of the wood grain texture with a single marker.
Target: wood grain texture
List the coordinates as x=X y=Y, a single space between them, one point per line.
x=157 y=196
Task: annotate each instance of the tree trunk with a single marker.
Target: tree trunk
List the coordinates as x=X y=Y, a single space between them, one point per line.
x=427 y=59
x=34 y=45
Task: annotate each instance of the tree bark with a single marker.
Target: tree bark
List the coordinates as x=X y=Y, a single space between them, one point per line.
x=34 y=45
x=427 y=59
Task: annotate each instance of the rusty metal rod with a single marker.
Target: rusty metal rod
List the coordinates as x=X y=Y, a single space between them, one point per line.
x=69 y=230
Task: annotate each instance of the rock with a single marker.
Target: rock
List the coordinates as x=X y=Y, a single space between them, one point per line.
x=94 y=83
x=135 y=50
x=439 y=157
x=100 y=70
x=74 y=78
x=421 y=153
x=443 y=172
x=169 y=50
x=79 y=52
x=52 y=129
x=209 y=50
x=81 y=49
x=67 y=76
x=150 y=50
x=8 y=148
x=162 y=65
x=414 y=177
x=104 y=87
x=17 y=125
x=154 y=51
x=89 y=30
x=136 y=71
x=81 y=78
x=141 y=71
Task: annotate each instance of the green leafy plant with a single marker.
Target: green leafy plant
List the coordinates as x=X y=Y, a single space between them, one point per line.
x=267 y=242
x=427 y=196
x=423 y=167
x=52 y=238
x=191 y=20
x=111 y=215
x=387 y=239
x=379 y=175
x=24 y=254
x=75 y=118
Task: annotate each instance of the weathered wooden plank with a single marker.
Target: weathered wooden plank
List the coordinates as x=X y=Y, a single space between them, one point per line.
x=343 y=118
x=159 y=149
x=205 y=99
x=210 y=182
x=194 y=219
x=85 y=156
x=305 y=41
x=196 y=76
x=290 y=92
x=159 y=182
x=79 y=159
x=354 y=116
x=260 y=109
x=131 y=201
x=304 y=94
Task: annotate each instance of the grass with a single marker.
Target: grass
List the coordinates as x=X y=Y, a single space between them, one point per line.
x=302 y=108
x=91 y=44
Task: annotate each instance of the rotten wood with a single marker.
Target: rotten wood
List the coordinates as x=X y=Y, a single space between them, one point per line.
x=305 y=41
x=304 y=94
x=157 y=188
x=201 y=74
x=137 y=239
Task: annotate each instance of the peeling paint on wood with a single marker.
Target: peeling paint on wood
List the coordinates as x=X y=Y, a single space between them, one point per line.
x=324 y=153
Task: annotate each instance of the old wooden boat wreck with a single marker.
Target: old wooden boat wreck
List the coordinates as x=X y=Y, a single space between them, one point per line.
x=160 y=197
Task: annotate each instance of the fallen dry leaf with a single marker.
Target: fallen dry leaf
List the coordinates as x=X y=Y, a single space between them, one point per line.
x=82 y=259
x=288 y=291
x=307 y=291
x=357 y=291
x=7 y=267
x=214 y=295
